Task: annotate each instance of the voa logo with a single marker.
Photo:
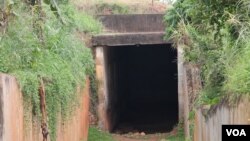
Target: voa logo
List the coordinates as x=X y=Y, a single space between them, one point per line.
x=236 y=132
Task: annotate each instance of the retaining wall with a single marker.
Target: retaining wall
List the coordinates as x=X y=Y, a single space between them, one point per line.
x=208 y=120
x=209 y=127
x=11 y=110
x=14 y=127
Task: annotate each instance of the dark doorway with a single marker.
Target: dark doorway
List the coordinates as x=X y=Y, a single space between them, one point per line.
x=142 y=87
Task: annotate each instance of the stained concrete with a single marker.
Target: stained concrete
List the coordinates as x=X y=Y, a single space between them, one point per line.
x=1 y=112
x=123 y=30
x=121 y=39
x=137 y=29
x=132 y=23
x=12 y=110
x=208 y=122
x=189 y=85
x=101 y=76
x=14 y=127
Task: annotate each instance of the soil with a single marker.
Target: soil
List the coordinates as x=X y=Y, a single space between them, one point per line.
x=141 y=136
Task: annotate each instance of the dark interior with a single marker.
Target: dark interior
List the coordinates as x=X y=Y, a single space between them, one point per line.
x=142 y=88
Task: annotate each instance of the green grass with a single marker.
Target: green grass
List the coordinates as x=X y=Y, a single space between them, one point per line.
x=179 y=136
x=114 y=8
x=176 y=138
x=81 y=20
x=238 y=71
x=96 y=135
x=217 y=41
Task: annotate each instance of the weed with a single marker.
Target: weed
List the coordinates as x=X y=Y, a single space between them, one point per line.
x=214 y=36
x=96 y=135
x=179 y=136
x=113 y=8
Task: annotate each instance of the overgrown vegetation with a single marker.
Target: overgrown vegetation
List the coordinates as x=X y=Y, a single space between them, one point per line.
x=214 y=35
x=112 y=8
x=101 y=7
x=96 y=135
x=40 y=44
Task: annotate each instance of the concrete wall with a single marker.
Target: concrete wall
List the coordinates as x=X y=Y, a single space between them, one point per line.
x=102 y=89
x=106 y=74
x=135 y=29
x=76 y=129
x=208 y=121
x=181 y=86
x=13 y=126
x=106 y=79
x=112 y=82
x=208 y=128
x=189 y=85
x=133 y=23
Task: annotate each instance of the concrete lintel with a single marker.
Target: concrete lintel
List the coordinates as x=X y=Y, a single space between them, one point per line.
x=122 y=39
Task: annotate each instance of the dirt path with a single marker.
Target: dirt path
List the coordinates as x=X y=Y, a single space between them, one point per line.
x=141 y=136
x=152 y=137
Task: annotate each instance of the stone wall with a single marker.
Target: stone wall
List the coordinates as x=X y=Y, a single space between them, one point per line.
x=14 y=127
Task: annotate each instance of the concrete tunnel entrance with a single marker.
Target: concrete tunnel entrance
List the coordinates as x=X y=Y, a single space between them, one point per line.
x=142 y=89
x=139 y=88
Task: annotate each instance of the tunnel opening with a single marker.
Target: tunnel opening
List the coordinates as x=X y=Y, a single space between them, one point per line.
x=142 y=88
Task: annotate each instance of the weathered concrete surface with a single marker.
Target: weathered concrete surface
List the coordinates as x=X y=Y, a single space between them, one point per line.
x=209 y=128
x=76 y=129
x=133 y=29
x=121 y=39
x=101 y=70
x=121 y=30
x=133 y=23
x=191 y=85
x=106 y=75
x=13 y=126
x=181 y=86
